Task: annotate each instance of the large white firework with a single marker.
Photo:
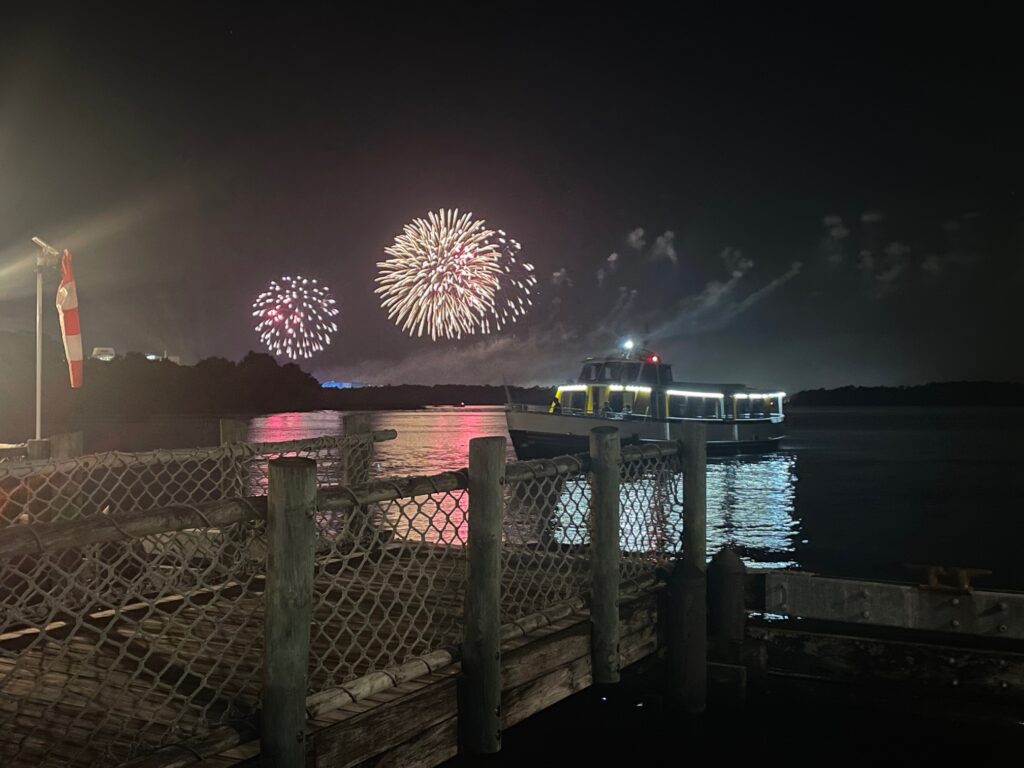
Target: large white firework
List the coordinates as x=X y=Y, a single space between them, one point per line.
x=449 y=275
x=296 y=316
x=442 y=275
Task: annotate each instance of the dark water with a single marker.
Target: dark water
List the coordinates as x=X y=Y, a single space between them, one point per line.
x=854 y=491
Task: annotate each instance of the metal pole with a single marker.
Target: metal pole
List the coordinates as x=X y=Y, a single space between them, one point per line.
x=45 y=251
x=39 y=346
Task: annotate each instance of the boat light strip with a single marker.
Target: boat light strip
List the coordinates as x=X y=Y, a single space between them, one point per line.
x=690 y=393
x=573 y=388
x=630 y=388
x=756 y=395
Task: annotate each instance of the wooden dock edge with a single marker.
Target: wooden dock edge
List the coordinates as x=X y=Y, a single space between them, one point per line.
x=416 y=723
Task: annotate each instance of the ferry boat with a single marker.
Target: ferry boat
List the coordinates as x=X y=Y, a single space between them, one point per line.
x=635 y=391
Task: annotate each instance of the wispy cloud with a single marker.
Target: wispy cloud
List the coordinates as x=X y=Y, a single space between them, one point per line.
x=636 y=239
x=664 y=247
x=872 y=217
x=561 y=278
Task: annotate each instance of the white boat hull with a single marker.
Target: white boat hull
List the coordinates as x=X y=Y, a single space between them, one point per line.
x=536 y=434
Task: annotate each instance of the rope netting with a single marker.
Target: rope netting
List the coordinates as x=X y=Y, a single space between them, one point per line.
x=105 y=483
x=115 y=647
x=125 y=632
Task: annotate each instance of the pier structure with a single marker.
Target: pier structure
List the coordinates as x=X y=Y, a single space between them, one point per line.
x=277 y=604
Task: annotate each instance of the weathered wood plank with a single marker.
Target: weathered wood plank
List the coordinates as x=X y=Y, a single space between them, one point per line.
x=964 y=671
x=386 y=726
x=973 y=612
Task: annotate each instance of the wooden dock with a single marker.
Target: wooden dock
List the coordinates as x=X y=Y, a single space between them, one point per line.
x=404 y=621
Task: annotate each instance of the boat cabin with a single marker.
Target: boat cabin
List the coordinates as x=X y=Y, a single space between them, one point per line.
x=640 y=386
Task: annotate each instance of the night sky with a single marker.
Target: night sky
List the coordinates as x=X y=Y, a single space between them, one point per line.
x=792 y=200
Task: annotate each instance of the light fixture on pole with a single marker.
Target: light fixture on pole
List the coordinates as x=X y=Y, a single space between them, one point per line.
x=47 y=257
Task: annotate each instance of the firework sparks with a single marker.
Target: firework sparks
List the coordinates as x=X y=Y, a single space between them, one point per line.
x=450 y=275
x=295 y=317
x=514 y=282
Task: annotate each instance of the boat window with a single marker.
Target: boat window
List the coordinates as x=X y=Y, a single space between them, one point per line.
x=615 y=401
x=591 y=372
x=575 y=401
x=611 y=372
x=665 y=373
x=649 y=374
x=630 y=371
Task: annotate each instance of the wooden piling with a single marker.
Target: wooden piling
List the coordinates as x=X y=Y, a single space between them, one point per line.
x=289 y=603
x=65 y=445
x=688 y=666
x=727 y=611
x=37 y=449
x=605 y=467
x=233 y=468
x=233 y=431
x=480 y=705
x=359 y=454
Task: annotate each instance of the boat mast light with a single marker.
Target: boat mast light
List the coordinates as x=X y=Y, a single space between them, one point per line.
x=627 y=345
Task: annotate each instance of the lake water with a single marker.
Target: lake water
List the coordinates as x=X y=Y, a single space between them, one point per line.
x=857 y=491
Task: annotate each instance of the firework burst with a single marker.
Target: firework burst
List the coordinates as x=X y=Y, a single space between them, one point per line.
x=514 y=283
x=450 y=275
x=295 y=317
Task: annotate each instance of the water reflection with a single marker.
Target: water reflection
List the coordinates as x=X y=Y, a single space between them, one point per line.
x=751 y=499
x=751 y=507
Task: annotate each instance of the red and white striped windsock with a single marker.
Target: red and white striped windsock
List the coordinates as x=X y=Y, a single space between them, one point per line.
x=67 y=310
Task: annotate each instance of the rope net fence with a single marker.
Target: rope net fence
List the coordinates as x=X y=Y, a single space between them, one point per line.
x=104 y=483
x=127 y=632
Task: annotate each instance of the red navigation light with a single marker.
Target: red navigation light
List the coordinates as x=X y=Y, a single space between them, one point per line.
x=654 y=358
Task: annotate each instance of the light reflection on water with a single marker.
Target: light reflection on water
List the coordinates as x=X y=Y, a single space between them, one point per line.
x=750 y=498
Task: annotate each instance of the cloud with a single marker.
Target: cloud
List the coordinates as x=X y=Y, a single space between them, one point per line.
x=838 y=232
x=664 y=247
x=933 y=264
x=735 y=261
x=832 y=221
x=561 y=277
x=636 y=239
x=866 y=261
x=897 y=249
x=872 y=217
x=891 y=273
x=610 y=265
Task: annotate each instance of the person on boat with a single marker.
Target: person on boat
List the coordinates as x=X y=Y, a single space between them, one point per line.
x=556 y=405
x=627 y=411
x=606 y=410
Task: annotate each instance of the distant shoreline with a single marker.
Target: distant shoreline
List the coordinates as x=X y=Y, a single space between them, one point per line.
x=947 y=394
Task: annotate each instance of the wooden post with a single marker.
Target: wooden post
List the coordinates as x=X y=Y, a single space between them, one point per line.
x=234 y=469
x=359 y=454
x=65 y=445
x=37 y=449
x=726 y=599
x=605 y=467
x=289 y=599
x=688 y=667
x=480 y=709
x=233 y=431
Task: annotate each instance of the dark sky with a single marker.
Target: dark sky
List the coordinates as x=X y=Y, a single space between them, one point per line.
x=823 y=199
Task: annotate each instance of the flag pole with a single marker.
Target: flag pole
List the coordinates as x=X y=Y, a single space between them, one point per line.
x=45 y=252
